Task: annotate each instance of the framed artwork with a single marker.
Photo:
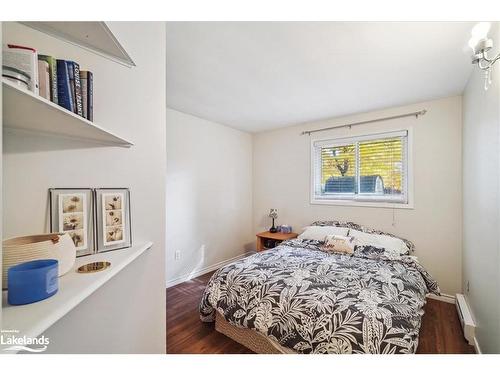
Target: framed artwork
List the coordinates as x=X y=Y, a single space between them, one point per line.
x=113 y=226
x=72 y=212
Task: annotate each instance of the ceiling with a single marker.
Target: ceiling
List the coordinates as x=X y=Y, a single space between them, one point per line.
x=257 y=76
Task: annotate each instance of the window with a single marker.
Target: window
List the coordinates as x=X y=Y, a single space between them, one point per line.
x=370 y=168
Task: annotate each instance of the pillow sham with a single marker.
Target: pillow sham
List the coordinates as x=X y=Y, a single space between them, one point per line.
x=319 y=233
x=389 y=243
x=339 y=244
x=362 y=228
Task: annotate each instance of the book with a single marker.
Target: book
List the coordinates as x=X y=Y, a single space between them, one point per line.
x=71 y=76
x=53 y=76
x=64 y=88
x=78 y=89
x=90 y=95
x=87 y=81
x=83 y=80
x=24 y=59
x=43 y=79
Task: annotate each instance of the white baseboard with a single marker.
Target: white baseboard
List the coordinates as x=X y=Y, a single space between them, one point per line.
x=443 y=297
x=476 y=346
x=198 y=272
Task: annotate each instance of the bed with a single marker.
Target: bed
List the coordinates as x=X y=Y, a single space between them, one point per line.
x=299 y=298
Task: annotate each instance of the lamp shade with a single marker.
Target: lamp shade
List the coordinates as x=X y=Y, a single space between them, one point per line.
x=480 y=30
x=273 y=213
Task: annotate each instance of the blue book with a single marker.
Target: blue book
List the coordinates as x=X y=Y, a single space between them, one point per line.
x=64 y=89
x=78 y=89
x=71 y=74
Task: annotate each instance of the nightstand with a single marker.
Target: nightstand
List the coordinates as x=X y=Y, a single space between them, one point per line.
x=268 y=240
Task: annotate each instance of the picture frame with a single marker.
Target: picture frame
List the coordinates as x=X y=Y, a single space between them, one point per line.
x=72 y=212
x=113 y=219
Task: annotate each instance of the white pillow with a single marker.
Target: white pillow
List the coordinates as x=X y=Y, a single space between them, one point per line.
x=380 y=241
x=319 y=233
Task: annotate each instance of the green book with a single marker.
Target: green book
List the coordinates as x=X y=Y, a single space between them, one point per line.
x=53 y=76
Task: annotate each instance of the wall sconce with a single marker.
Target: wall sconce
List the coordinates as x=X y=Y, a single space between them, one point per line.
x=481 y=44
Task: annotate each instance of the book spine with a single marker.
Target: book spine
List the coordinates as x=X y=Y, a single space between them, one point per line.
x=78 y=89
x=53 y=76
x=90 y=96
x=84 y=80
x=71 y=75
x=34 y=60
x=43 y=79
x=63 y=86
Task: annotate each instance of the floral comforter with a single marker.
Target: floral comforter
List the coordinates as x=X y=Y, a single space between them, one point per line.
x=311 y=301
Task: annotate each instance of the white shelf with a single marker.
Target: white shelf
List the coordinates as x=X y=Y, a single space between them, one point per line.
x=26 y=112
x=93 y=36
x=34 y=319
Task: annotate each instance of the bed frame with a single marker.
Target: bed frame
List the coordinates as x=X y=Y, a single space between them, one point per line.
x=253 y=340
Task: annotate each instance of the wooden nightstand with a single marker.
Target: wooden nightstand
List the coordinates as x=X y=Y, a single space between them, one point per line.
x=276 y=237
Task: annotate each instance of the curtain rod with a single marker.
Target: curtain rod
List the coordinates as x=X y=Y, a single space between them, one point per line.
x=416 y=114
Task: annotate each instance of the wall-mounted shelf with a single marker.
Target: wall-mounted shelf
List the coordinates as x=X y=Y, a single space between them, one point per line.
x=93 y=36
x=26 y=112
x=34 y=319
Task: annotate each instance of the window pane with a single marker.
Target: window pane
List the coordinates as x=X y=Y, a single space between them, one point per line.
x=338 y=169
x=364 y=168
x=381 y=167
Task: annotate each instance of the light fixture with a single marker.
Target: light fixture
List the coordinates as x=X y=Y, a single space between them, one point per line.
x=481 y=44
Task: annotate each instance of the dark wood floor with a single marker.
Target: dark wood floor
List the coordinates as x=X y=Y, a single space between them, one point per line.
x=440 y=333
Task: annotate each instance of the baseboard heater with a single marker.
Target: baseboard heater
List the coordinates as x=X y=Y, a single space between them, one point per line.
x=468 y=325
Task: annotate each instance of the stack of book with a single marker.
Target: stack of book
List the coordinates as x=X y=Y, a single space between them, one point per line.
x=74 y=87
x=60 y=81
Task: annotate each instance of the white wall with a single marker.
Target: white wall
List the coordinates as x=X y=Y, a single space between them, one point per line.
x=481 y=204
x=209 y=194
x=128 y=314
x=282 y=181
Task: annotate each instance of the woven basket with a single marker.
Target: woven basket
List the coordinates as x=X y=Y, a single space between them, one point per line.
x=249 y=338
x=57 y=246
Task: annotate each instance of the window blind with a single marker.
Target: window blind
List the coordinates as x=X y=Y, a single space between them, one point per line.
x=367 y=168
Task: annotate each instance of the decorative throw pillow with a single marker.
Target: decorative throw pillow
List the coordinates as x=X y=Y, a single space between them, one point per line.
x=339 y=244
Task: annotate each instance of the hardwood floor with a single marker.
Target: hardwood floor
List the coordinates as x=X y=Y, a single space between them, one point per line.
x=185 y=332
x=440 y=332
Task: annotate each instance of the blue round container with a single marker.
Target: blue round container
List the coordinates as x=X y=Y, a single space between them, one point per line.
x=32 y=281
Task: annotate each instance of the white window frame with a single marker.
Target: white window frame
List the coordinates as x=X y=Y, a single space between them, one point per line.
x=364 y=200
